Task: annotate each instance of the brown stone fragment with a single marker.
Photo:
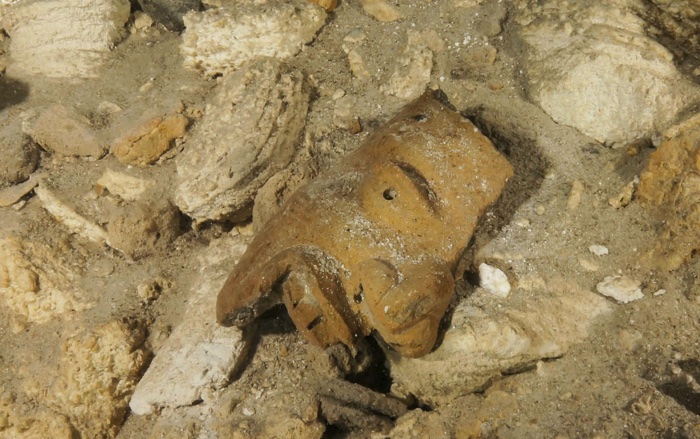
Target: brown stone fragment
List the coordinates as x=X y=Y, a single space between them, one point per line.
x=373 y=243
x=145 y=144
x=328 y=5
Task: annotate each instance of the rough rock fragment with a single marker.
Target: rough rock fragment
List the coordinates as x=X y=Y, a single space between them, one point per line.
x=44 y=38
x=591 y=66
x=38 y=283
x=98 y=372
x=170 y=12
x=145 y=144
x=381 y=10
x=328 y=5
x=249 y=132
x=63 y=131
x=143 y=227
x=412 y=71
x=13 y=194
x=671 y=185
x=276 y=191
x=200 y=355
x=621 y=288
x=67 y=216
x=19 y=156
x=123 y=185
x=493 y=281
x=495 y=338
x=222 y=39
x=44 y=424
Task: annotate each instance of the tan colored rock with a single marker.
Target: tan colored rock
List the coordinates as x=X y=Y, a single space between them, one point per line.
x=250 y=131
x=46 y=41
x=63 y=131
x=19 y=156
x=328 y=5
x=42 y=425
x=593 y=67
x=357 y=65
x=371 y=244
x=69 y=217
x=220 y=40
x=670 y=184
x=125 y=186
x=13 y=194
x=411 y=73
x=38 y=283
x=495 y=338
x=97 y=375
x=381 y=10
x=144 y=145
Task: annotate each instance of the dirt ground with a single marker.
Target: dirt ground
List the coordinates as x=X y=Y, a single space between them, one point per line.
x=633 y=376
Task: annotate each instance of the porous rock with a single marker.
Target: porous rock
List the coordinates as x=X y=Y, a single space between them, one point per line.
x=46 y=41
x=39 y=425
x=249 y=132
x=148 y=141
x=19 y=156
x=592 y=67
x=380 y=10
x=37 y=282
x=125 y=186
x=621 y=288
x=412 y=70
x=222 y=39
x=170 y=12
x=495 y=339
x=63 y=131
x=670 y=184
x=98 y=373
x=199 y=355
x=143 y=227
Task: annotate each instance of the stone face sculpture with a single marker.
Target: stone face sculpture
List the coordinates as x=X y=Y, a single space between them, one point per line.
x=372 y=244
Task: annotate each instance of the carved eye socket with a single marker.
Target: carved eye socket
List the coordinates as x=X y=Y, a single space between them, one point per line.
x=389 y=194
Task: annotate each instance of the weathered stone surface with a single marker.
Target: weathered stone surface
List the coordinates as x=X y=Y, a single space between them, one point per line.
x=143 y=227
x=38 y=282
x=98 y=372
x=46 y=41
x=41 y=425
x=591 y=66
x=200 y=355
x=222 y=39
x=170 y=12
x=13 y=194
x=67 y=215
x=19 y=156
x=671 y=184
x=412 y=71
x=125 y=186
x=249 y=132
x=63 y=131
x=623 y=289
x=381 y=10
x=147 y=142
x=370 y=244
x=486 y=338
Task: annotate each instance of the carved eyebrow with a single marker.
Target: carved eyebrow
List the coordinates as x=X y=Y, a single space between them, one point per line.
x=421 y=184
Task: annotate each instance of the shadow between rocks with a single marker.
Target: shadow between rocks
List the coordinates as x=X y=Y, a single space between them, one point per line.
x=12 y=92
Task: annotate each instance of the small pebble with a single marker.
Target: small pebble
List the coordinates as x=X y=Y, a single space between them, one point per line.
x=660 y=292
x=248 y=411
x=494 y=281
x=539 y=210
x=621 y=288
x=598 y=250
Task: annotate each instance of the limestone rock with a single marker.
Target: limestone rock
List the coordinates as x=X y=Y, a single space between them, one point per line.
x=591 y=66
x=97 y=375
x=276 y=191
x=63 y=131
x=148 y=141
x=38 y=282
x=412 y=71
x=41 y=425
x=249 y=132
x=486 y=338
x=13 y=194
x=494 y=281
x=200 y=355
x=222 y=39
x=621 y=288
x=125 y=186
x=381 y=10
x=143 y=227
x=19 y=156
x=46 y=41
x=670 y=184
x=170 y=12
x=70 y=218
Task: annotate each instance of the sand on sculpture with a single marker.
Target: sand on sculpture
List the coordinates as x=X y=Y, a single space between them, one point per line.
x=373 y=243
